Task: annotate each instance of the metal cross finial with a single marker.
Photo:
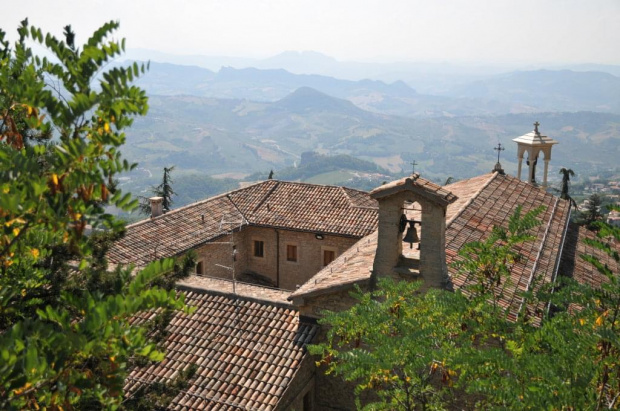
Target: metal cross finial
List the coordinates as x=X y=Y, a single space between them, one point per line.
x=499 y=149
x=413 y=164
x=536 y=124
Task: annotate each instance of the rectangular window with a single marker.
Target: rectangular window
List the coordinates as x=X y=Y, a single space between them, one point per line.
x=200 y=268
x=291 y=253
x=259 y=248
x=328 y=256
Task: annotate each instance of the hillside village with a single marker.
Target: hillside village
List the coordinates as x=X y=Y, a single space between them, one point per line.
x=271 y=257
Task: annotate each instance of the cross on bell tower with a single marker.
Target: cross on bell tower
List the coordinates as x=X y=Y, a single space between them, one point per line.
x=534 y=143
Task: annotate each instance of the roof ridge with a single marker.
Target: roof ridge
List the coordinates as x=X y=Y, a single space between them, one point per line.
x=257 y=299
x=471 y=199
x=317 y=185
x=196 y=203
x=271 y=190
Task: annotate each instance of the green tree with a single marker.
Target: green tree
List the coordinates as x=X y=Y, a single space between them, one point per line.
x=461 y=350
x=592 y=214
x=66 y=332
x=164 y=190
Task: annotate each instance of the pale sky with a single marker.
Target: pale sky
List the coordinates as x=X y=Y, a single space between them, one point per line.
x=478 y=31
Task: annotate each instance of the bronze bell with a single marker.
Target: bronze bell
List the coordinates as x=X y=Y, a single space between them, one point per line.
x=412 y=235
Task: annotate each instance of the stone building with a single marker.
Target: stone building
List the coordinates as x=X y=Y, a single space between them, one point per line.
x=247 y=336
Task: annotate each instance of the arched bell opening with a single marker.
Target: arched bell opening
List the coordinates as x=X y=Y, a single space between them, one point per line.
x=410 y=227
x=423 y=203
x=532 y=162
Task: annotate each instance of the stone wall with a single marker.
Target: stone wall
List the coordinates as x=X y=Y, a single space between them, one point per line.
x=218 y=254
x=273 y=265
x=432 y=243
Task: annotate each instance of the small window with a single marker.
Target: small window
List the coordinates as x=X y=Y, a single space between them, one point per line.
x=291 y=253
x=328 y=256
x=200 y=268
x=259 y=248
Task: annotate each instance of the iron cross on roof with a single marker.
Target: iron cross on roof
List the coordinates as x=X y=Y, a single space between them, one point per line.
x=536 y=124
x=413 y=164
x=499 y=149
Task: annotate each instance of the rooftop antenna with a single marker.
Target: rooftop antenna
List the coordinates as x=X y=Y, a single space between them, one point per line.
x=228 y=226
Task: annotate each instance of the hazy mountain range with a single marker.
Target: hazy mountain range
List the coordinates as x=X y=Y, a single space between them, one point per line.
x=425 y=77
x=233 y=122
x=218 y=136
x=518 y=92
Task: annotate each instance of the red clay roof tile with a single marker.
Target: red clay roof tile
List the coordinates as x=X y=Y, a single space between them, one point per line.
x=229 y=370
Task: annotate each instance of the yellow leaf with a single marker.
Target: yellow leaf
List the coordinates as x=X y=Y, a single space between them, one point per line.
x=582 y=321
x=106 y=127
x=23 y=292
x=599 y=320
x=16 y=232
x=22 y=389
x=5 y=189
x=55 y=179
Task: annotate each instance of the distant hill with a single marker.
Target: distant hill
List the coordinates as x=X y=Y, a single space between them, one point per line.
x=519 y=92
x=172 y=79
x=548 y=90
x=254 y=84
x=223 y=136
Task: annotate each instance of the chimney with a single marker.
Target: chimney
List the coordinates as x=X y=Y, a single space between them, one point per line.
x=156 y=206
x=390 y=260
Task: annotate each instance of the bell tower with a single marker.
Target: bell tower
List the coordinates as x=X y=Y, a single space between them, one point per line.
x=395 y=200
x=533 y=144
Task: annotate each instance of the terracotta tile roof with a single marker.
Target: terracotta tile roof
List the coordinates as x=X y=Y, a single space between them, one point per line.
x=493 y=205
x=247 y=353
x=572 y=265
x=272 y=203
x=308 y=207
x=483 y=202
x=249 y=291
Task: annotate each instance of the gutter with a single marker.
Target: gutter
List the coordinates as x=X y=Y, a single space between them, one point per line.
x=540 y=250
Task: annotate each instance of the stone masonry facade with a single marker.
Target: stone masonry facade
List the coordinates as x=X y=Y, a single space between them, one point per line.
x=274 y=264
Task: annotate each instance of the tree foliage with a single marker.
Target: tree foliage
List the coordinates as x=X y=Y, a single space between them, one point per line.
x=66 y=332
x=163 y=190
x=590 y=217
x=447 y=350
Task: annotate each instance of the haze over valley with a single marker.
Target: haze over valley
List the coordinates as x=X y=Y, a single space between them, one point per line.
x=240 y=123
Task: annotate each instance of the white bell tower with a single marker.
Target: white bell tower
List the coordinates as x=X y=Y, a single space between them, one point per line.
x=533 y=144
